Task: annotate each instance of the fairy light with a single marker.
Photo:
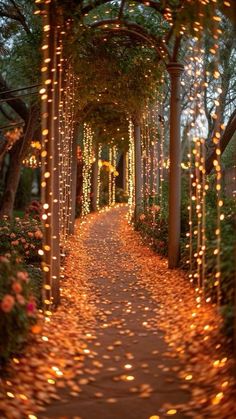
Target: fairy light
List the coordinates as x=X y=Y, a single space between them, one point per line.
x=145 y=141
x=87 y=168
x=61 y=145
x=114 y=160
x=216 y=115
x=33 y=159
x=110 y=181
x=154 y=169
x=71 y=94
x=197 y=173
x=99 y=176
x=67 y=88
x=149 y=156
x=46 y=155
x=131 y=170
x=190 y=211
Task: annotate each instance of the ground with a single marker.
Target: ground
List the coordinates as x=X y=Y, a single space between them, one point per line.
x=131 y=338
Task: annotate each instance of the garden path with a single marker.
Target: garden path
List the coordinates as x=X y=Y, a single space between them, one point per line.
x=148 y=348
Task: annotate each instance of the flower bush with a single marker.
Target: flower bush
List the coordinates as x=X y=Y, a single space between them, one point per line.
x=18 y=310
x=22 y=236
x=153 y=227
x=34 y=210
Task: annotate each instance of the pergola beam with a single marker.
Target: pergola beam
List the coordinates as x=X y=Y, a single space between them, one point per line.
x=132 y=28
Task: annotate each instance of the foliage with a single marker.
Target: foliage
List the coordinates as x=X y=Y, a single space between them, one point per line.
x=121 y=195
x=36 y=282
x=34 y=210
x=17 y=306
x=229 y=156
x=21 y=40
x=23 y=236
x=23 y=195
x=154 y=229
x=153 y=226
x=153 y=222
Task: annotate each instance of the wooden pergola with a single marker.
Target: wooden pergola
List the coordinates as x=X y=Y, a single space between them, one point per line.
x=60 y=116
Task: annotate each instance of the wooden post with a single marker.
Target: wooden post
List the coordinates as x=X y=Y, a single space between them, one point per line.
x=175 y=70
x=137 y=167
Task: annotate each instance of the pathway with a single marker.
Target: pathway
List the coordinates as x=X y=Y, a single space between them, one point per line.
x=132 y=375
x=130 y=339
x=131 y=372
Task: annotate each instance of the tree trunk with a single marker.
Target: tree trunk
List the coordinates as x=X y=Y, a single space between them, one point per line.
x=12 y=181
x=19 y=149
x=17 y=154
x=224 y=141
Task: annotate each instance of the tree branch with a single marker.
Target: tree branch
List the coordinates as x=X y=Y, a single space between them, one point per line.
x=16 y=104
x=5 y=114
x=17 y=16
x=224 y=141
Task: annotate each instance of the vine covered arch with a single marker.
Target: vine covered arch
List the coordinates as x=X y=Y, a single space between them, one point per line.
x=64 y=27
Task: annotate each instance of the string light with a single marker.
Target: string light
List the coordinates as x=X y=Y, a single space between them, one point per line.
x=197 y=173
x=131 y=171
x=110 y=181
x=87 y=168
x=32 y=160
x=114 y=159
x=99 y=176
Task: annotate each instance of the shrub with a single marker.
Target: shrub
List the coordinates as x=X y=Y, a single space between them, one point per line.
x=23 y=195
x=153 y=227
x=121 y=195
x=17 y=306
x=22 y=236
x=36 y=282
x=34 y=210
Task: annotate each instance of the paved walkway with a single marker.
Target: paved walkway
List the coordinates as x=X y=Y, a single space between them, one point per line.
x=128 y=374
x=130 y=340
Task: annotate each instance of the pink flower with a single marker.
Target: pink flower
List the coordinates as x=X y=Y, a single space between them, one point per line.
x=23 y=240
x=155 y=208
x=15 y=243
x=4 y=259
x=7 y=303
x=142 y=217
x=16 y=287
x=38 y=234
x=23 y=276
x=31 y=307
x=30 y=234
x=20 y=299
x=12 y=235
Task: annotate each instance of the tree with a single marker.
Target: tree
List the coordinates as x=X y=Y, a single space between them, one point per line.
x=20 y=37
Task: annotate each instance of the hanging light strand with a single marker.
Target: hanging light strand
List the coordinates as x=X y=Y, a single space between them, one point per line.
x=131 y=170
